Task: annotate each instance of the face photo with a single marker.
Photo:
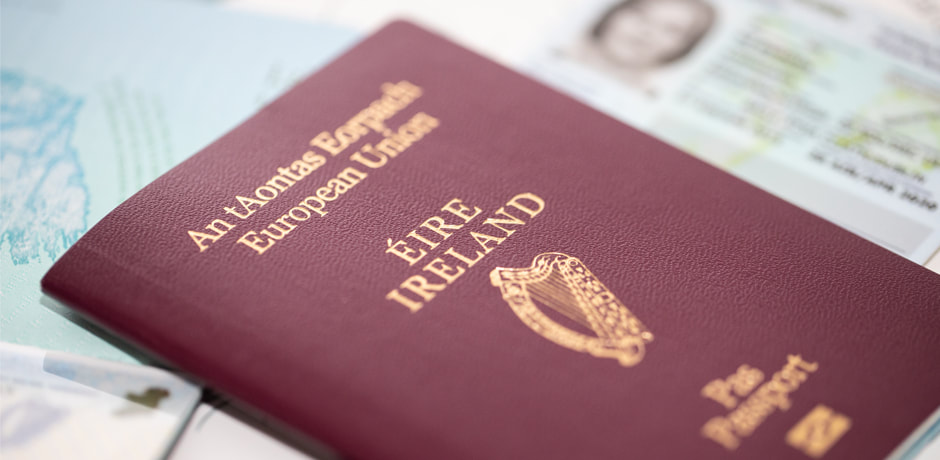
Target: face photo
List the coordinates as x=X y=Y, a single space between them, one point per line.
x=633 y=39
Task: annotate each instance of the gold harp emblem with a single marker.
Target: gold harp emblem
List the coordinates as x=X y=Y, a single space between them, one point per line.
x=566 y=286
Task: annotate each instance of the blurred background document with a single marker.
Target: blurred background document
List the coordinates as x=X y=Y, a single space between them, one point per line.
x=827 y=104
x=101 y=97
x=58 y=405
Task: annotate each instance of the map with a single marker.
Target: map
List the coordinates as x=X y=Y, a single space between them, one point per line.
x=44 y=205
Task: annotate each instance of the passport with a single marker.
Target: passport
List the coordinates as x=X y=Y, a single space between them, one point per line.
x=418 y=253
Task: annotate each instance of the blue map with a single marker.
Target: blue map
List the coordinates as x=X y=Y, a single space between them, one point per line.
x=44 y=205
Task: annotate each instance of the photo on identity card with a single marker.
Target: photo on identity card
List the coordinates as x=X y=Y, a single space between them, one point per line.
x=636 y=42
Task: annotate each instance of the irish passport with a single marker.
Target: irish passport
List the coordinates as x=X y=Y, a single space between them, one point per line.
x=417 y=253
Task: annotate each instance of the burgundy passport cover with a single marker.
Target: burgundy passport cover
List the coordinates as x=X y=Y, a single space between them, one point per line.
x=417 y=253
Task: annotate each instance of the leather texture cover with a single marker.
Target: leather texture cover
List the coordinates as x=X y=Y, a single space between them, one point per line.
x=417 y=253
